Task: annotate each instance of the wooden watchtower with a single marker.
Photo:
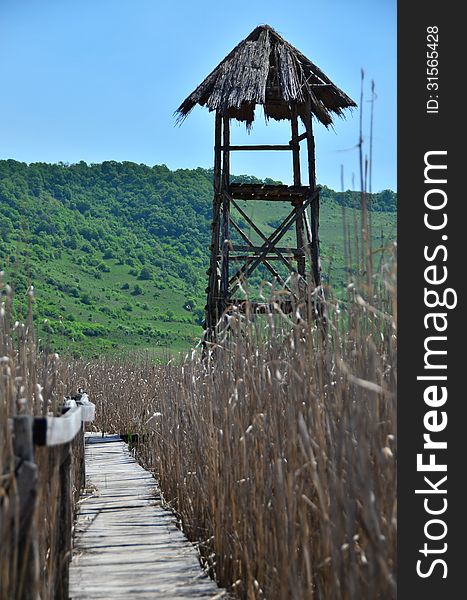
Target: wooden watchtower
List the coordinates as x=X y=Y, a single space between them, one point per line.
x=264 y=69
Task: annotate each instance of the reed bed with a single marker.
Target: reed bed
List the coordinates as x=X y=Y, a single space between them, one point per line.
x=279 y=454
x=30 y=384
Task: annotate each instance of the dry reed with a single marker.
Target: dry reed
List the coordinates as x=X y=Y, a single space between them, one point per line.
x=279 y=455
x=29 y=384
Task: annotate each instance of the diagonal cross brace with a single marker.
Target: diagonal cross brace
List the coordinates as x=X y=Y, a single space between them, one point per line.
x=279 y=233
x=267 y=240
x=266 y=263
x=260 y=233
x=250 y=259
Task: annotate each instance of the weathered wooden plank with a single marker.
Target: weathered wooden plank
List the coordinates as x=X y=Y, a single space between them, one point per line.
x=255 y=191
x=127 y=545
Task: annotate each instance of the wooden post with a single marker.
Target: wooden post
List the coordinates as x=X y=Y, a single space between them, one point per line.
x=79 y=462
x=297 y=181
x=213 y=284
x=320 y=306
x=66 y=522
x=225 y=215
x=27 y=577
x=295 y=145
x=315 y=259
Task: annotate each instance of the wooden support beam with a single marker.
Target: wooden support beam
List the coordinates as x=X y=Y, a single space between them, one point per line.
x=213 y=284
x=255 y=191
x=295 y=146
x=280 y=232
x=310 y=152
x=249 y=198
x=238 y=257
x=299 y=226
x=250 y=258
x=258 y=147
x=298 y=139
x=245 y=269
x=283 y=228
x=314 y=242
x=316 y=260
x=260 y=233
x=224 y=283
x=308 y=233
x=252 y=248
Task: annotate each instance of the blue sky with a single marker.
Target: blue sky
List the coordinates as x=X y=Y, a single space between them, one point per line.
x=99 y=80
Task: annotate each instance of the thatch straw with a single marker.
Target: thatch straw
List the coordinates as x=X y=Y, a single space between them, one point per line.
x=265 y=69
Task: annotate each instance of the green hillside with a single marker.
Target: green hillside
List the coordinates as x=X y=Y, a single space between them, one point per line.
x=117 y=252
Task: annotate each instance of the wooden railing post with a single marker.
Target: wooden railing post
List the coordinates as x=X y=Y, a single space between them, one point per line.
x=82 y=465
x=63 y=441
x=66 y=521
x=26 y=481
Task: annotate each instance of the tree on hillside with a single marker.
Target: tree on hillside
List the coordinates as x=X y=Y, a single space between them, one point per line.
x=145 y=274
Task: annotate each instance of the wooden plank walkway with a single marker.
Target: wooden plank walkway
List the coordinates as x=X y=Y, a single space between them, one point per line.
x=126 y=544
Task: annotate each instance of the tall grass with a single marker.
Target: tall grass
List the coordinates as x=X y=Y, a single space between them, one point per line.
x=30 y=384
x=279 y=455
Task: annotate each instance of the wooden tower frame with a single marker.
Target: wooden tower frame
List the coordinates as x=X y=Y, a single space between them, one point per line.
x=303 y=259
x=264 y=69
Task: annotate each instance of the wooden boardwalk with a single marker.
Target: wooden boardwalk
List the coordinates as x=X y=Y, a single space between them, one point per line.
x=126 y=544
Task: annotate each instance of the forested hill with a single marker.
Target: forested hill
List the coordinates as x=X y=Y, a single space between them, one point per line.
x=117 y=251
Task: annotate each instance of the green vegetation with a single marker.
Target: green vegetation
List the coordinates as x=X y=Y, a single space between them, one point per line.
x=118 y=252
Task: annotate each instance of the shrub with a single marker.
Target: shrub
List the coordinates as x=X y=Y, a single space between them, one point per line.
x=94 y=330
x=189 y=305
x=145 y=274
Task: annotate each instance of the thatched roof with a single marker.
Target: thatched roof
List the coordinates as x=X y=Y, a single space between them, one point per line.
x=265 y=69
